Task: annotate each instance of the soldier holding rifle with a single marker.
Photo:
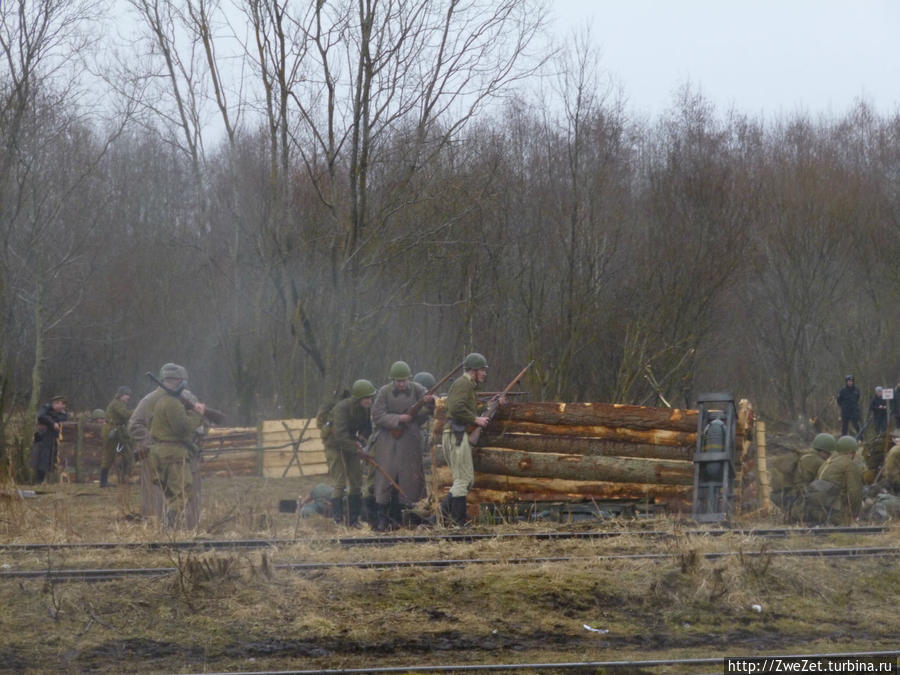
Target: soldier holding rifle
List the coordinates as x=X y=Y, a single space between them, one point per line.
x=398 y=414
x=462 y=418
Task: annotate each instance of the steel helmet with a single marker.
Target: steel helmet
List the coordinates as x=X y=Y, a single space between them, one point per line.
x=362 y=389
x=845 y=444
x=824 y=442
x=400 y=371
x=425 y=379
x=475 y=361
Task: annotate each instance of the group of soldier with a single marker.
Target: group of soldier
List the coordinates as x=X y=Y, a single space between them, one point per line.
x=835 y=480
x=375 y=441
x=161 y=429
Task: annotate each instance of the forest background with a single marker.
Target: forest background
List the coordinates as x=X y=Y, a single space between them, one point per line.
x=287 y=196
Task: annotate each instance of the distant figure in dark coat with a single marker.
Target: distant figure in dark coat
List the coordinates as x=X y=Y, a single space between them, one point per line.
x=879 y=409
x=46 y=437
x=848 y=401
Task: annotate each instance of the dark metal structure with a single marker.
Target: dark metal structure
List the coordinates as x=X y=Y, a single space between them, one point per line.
x=714 y=460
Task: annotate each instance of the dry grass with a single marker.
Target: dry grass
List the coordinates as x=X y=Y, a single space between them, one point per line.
x=230 y=610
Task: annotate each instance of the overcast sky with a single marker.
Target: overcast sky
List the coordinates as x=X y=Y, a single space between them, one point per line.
x=761 y=56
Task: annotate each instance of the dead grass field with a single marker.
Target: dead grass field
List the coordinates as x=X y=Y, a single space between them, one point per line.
x=227 y=610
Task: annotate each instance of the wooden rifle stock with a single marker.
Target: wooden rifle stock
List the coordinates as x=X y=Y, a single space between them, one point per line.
x=213 y=415
x=494 y=404
x=414 y=409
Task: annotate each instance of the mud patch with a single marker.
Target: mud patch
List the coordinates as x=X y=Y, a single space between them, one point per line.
x=137 y=650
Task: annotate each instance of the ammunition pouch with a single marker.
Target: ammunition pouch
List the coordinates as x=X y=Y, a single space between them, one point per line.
x=458 y=429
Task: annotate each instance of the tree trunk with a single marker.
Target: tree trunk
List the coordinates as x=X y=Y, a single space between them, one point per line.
x=548 y=489
x=581 y=467
x=586 y=446
x=600 y=414
x=641 y=437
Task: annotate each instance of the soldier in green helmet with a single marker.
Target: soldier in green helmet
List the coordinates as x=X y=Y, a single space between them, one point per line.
x=152 y=497
x=793 y=471
x=348 y=426
x=397 y=447
x=172 y=432
x=428 y=381
x=462 y=419
x=835 y=496
x=116 y=442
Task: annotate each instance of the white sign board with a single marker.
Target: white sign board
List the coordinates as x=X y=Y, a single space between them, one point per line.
x=887 y=393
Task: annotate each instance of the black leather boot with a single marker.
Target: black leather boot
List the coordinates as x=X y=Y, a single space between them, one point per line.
x=445 y=508
x=104 y=477
x=395 y=514
x=354 y=503
x=458 y=510
x=381 y=520
x=369 y=510
x=337 y=509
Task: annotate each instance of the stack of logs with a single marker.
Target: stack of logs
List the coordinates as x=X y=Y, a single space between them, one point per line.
x=561 y=451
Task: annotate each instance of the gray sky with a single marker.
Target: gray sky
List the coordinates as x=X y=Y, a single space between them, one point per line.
x=761 y=56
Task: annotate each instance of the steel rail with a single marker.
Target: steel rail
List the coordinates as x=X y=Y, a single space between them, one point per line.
x=391 y=540
x=117 y=573
x=566 y=665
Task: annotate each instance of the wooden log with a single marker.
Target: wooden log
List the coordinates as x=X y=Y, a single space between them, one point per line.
x=581 y=467
x=551 y=487
x=586 y=446
x=600 y=414
x=479 y=495
x=642 y=437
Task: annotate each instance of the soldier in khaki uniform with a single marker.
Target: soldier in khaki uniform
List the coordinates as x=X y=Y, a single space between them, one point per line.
x=348 y=423
x=115 y=437
x=890 y=474
x=152 y=498
x=172 y=432
x=398 y=443
x=792 y=472
x=462 y=419
x=835 y=496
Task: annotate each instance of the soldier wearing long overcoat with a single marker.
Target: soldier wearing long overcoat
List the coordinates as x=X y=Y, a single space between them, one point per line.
x=398 y=442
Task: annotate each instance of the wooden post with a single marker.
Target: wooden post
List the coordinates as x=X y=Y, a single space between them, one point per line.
x=259 y=450
x=764 y=487
x=79 y=444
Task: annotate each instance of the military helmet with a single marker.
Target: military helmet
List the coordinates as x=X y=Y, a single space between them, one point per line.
x=362 y=389
x=173 y=371
x=475 y=361
x=424 y=378
x=824 y=442
x=123 y=391
x=400 y=371
x=98 y=414
x=845 y=444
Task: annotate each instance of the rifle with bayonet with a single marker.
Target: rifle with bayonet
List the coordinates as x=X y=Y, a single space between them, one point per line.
x=494 y=404
x=213 y=415
x=414 y=409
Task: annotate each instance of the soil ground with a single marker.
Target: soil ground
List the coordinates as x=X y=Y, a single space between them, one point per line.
x=231 y=611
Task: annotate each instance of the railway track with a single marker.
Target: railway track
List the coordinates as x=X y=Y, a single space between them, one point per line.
x=109 y=574
x=470 y=537
x=814 y=662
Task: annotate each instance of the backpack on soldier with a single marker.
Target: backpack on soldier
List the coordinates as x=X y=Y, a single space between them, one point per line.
x=323 y=416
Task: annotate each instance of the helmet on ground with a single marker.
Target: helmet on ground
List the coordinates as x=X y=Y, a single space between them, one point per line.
x=424 y=378
x=824 y=442
x=475 y=361
x=362 y=389
x=845 y=444
x=173 y=371
x=400 y=371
